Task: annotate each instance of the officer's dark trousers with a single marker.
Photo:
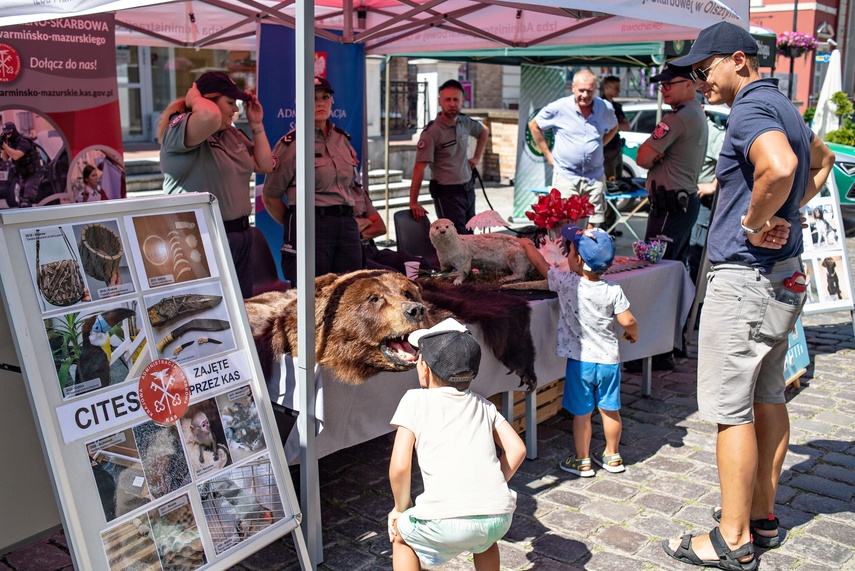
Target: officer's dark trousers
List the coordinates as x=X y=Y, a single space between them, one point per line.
x=675 y=227
x=338 y=247
x=458 y=206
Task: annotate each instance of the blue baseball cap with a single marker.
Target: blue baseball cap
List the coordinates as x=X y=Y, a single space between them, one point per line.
x=721 y=38
x=595 y=246
x=670 y=72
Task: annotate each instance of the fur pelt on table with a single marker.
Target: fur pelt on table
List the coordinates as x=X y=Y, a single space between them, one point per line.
x=504 y=321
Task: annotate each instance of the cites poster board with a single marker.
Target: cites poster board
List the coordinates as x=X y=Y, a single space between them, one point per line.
x=98 y=296
x=825 y=257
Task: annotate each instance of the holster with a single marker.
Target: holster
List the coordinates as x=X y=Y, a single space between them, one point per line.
x=664 y=201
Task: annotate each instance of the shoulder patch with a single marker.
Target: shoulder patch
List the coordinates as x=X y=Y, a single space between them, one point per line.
x=289 y=137
x=176 y=119
x=421 y=144
x=342 y=131
x=661 y=130
x=275 y=162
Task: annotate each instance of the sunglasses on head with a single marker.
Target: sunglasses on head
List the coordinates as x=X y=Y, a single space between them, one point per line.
x=702 y=74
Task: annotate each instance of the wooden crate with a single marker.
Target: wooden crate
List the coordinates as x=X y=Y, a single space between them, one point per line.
x=548 y=403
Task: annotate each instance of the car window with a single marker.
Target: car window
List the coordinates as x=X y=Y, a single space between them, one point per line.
x=719 y=119
x=630 y=116
x=646 y=122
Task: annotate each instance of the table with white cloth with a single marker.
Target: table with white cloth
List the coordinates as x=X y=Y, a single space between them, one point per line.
x=660 y=298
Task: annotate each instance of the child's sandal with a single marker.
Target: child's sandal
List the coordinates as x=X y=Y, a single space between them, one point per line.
x=579 y=466
x=610 y=462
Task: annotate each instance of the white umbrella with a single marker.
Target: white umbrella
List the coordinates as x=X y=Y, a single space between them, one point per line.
x=825 y=120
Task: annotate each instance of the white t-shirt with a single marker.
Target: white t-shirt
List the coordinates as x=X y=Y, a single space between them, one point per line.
x=456 y=453
x=586 y=317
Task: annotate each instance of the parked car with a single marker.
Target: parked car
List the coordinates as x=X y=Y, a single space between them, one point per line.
x=844 y=178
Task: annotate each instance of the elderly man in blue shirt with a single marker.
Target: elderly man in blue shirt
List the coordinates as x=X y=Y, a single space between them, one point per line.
x=582 y=124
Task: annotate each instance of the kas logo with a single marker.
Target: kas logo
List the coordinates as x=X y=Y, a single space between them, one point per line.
x=10 y=63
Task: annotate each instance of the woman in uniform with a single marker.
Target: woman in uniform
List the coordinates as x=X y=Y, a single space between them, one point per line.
x=338 y=247
x=91 y=191
x=201 y=151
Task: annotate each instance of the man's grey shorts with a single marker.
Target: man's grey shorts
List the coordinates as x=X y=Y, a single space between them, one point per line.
x=743 y=341
x=596 y=192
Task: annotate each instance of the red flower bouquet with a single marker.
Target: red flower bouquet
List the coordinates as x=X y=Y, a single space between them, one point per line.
x=551 y=210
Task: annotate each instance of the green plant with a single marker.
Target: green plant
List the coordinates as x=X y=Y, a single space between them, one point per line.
x=809 y=114
x=64 y=338
x=844 y=106
x=845 y=135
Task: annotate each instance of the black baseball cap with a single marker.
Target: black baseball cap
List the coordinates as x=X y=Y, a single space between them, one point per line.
x=449 y=350
x=451 y=83
x=322 y=83
x=670 y=72
x=9 y=127
x=218 y=82
x=721 y=38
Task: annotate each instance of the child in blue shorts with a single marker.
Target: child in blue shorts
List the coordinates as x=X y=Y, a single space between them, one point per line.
x=466 y=504
x=588 y=308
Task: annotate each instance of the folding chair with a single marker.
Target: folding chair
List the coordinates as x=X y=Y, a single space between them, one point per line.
x=264 y=266
x=614 y=197
x=414 y=237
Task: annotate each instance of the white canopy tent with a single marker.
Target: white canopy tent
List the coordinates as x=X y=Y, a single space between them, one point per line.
x=385 y=27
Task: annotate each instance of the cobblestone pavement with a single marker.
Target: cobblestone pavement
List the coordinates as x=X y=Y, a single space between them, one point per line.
x=613 y=522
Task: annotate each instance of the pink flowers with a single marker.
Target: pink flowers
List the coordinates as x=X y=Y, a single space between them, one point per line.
x=552 y=210
x=795 y=44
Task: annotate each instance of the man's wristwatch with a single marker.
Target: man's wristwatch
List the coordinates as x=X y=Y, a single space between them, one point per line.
x=748 y=230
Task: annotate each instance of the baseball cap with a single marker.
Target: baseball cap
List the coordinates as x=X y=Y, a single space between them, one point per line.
x=448 y=349
x=451 y=83
x=670 y=72
x=721 y=38
x=218 y=82
x=595 y=246
x=322 y=83
x=9 y=127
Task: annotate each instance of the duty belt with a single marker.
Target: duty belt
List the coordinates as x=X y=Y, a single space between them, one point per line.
x=441 y=189
x=237 y=225
x=344 y=210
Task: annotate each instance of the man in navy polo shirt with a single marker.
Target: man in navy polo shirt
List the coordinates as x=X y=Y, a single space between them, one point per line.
x=770 y=165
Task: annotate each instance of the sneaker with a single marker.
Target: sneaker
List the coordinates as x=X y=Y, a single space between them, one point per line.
x=579 y=466
x=611 y=463
x=664 y=362
x=633 y=366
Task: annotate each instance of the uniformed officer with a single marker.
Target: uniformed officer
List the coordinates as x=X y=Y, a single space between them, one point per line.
x=444 y=144
x=674 y=155
x=201 y=151
x=338 y=247
x=22 y=150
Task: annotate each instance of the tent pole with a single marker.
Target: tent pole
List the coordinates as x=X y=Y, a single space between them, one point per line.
x=386 y=140
x=310 y=499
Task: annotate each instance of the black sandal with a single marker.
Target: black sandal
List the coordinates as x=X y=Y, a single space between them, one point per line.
x=764 y=541
x=728 y=559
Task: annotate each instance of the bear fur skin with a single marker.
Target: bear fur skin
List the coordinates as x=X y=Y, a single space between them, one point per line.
x=483 y=251
x=362 y=321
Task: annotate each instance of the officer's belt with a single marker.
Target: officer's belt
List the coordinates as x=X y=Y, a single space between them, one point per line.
x=441 y=189
x=237 y=225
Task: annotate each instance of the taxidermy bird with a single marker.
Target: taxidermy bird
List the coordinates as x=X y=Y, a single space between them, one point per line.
x=96 y=352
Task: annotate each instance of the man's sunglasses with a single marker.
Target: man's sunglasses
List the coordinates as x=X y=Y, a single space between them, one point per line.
x=701 y=74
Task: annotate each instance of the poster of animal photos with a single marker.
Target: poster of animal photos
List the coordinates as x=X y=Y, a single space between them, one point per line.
x=190 y=323
x=825 y=258
x=240 y=503
x=171 y=248
x=103 y=256
x=96 y=348
x=166 y=537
